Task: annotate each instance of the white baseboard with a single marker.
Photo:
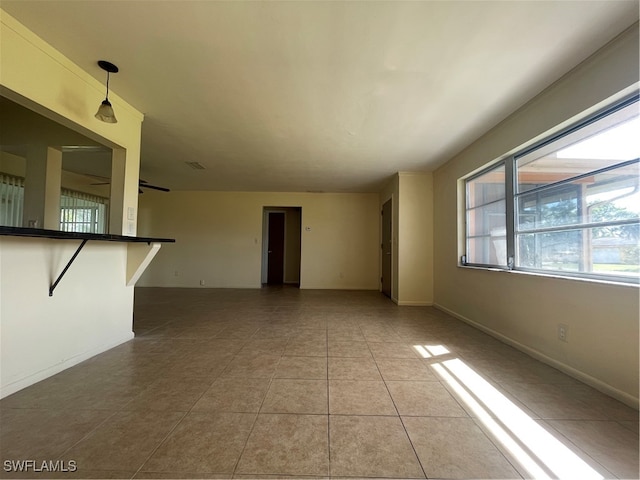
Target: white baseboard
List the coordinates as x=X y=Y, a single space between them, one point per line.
x=335 y=287
x=18 y=385
x=603 y=387
x=412 y=303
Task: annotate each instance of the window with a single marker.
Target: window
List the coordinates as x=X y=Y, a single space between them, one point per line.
x=11 y=200
x=81 y=212
x=486 y=218
x=568 y=205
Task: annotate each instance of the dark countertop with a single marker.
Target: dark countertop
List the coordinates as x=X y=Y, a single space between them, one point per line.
x=56 y=234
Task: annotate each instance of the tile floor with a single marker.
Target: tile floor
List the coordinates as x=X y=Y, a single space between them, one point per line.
x=314 y=384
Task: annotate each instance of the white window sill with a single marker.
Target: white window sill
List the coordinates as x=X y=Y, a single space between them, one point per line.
x=616 y=282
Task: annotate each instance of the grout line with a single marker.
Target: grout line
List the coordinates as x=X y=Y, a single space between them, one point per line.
x=88 y=434
x=400 y=417
x=255 y=420
x=181 y=419
x=164 y=439
x=193 y=405
x=328 y=405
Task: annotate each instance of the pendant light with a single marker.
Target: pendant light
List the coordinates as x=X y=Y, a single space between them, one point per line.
x=105 y=111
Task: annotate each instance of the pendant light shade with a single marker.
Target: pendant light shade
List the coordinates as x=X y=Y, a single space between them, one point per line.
x=105 y=112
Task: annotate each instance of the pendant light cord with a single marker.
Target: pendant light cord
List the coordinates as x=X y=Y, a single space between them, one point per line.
x=107 y=97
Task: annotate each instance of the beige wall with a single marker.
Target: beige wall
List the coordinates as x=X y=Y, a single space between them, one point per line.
x=13 y=164
x=219 y=238
x=412 y=237
x=292 y=243
x=415 y=239
x=92 y=307
x=525 y=310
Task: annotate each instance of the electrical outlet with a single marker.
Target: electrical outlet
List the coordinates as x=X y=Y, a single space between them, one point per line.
x=202 y=282
x=562 y=332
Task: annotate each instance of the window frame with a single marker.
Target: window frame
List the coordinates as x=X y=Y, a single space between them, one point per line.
x=509 y=162
x=494 y=166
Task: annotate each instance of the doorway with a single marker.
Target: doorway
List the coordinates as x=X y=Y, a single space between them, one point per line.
x=275 y=252
x=386 y=248
x=281 y=245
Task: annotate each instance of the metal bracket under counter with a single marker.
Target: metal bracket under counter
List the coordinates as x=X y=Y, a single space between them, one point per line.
x=64 y=270
x=133 y=272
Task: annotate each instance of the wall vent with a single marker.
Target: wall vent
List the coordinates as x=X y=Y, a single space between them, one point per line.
x=195 y=165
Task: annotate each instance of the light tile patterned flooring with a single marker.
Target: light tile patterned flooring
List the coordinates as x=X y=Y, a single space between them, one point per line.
x=316 y=384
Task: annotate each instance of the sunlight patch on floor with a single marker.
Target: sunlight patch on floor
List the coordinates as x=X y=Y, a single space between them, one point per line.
x=540 y=453
x=428 y=351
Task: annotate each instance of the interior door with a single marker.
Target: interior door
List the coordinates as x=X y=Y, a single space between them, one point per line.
x=275 y=261
x=386 y=248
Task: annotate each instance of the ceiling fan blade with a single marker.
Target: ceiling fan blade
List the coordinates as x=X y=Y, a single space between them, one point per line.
x=100 y=177
x=154 y=187
x=141 y=184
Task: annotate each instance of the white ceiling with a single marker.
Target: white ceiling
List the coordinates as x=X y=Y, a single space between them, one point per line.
x=320 y=96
